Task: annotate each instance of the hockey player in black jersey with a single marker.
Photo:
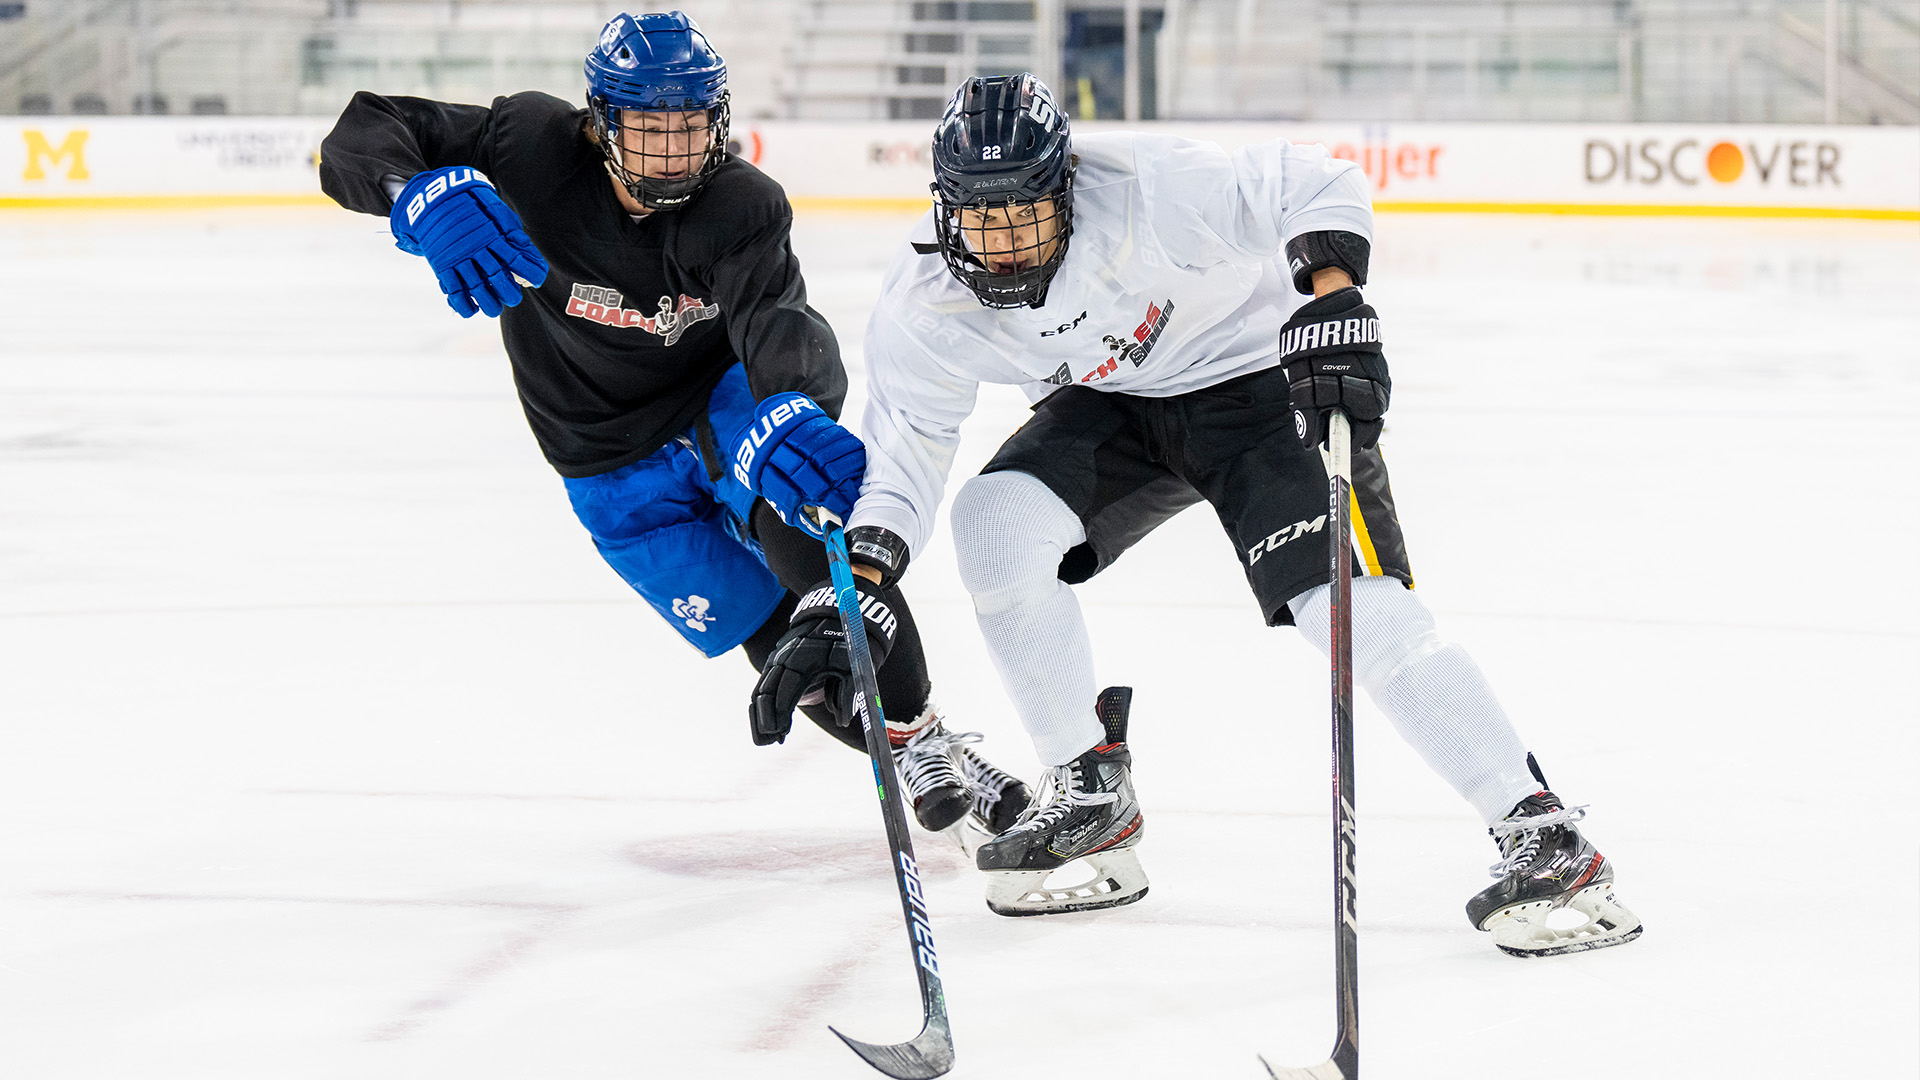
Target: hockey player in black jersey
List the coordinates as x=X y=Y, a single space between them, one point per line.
x=669 y=366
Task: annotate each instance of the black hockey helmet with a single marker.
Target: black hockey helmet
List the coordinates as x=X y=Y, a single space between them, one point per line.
x=659 y=63
x=1003 y=153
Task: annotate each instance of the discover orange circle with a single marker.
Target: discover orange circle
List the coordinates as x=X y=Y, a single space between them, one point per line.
x=1725 y=162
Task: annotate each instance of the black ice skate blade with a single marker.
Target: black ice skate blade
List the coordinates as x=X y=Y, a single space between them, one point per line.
x=1066 y=909
x=1573 y=947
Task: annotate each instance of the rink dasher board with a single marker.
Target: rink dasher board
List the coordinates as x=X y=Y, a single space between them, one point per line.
x=1760 y=170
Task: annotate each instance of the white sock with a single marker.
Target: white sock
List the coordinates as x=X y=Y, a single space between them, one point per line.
x=1009 y=534
x=1432 y=691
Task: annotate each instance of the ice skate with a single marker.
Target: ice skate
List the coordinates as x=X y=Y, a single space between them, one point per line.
x=1555 y=893
x=927 y=761
x=1084 y=812
x=998 y=797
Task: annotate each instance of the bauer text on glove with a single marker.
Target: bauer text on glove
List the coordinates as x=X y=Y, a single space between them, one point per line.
x=473 y=241
x=793 y=455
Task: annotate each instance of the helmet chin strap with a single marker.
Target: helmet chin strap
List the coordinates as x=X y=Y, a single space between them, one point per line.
x=632 y=188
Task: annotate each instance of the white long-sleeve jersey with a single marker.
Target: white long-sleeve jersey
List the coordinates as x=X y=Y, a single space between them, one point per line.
x=1175 y=278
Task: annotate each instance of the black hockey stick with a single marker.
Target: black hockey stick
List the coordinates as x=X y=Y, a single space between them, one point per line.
x=930 y=1053
x=1345 y=1062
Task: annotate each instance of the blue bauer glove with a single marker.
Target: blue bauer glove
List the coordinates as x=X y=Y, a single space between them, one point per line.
x=473 y=241
x=793 y=455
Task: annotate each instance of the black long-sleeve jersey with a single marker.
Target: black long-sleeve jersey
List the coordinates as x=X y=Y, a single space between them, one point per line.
x=619 y=349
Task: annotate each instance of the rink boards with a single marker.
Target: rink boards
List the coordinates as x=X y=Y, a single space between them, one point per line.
x=1760 y=170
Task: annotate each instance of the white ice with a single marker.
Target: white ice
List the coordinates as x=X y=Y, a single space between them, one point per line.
x=331 y=749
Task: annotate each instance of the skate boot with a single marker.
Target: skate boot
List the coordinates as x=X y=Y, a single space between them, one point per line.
x=1549 y=874
x=999 y=798
x=927 y=763
x=1084 y=810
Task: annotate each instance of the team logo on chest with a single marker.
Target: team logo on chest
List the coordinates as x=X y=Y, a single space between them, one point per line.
x=1144 y=338
x=669 y=320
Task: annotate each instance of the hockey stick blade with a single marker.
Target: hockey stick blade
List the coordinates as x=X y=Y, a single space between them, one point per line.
x=930 y=1054
x=1326 y=1070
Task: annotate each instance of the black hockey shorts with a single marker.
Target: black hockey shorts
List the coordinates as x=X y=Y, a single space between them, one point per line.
x=1125 y=464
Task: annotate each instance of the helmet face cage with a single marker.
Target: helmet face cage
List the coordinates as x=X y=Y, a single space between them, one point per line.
x=1006 y=250
x=1003 y=189
x=662 y=157
x=657 y=94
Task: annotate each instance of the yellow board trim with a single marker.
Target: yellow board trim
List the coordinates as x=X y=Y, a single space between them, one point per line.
x=1648 y=210
x=161 y=202
x=861 y=203
x=893 y=204
x=1360 y=534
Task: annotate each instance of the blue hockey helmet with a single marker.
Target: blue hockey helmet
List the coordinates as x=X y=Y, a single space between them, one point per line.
x=1003 y=188
x=657 y=93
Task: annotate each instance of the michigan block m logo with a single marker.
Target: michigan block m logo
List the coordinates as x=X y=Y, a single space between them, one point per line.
x=41 y=154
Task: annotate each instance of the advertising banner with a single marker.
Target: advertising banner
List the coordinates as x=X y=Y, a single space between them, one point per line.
x=159 y=161
x=1707 y=169
x=1745 y=170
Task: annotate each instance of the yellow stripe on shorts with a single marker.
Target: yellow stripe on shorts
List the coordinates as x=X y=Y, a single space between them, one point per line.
x=1360 y=534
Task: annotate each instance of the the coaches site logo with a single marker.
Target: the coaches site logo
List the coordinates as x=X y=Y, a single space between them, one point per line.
x=669 y=320
x=1145 y=337
x=1687 y=162
x=693 y=611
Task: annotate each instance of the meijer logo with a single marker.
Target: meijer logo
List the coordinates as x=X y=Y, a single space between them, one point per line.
x=1384 y=161
x=42 y=154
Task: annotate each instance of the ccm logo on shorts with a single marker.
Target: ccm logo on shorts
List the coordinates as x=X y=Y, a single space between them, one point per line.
x=1291 y=532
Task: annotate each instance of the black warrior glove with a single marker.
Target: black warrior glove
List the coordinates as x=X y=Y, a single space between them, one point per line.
x=1331 y=351
x=812 y=663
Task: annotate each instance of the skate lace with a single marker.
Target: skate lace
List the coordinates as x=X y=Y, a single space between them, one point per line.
x=924 y=757
x=1062 y=793
x=1528 y=830
x=983 y=775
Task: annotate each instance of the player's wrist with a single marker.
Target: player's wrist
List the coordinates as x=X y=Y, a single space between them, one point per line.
x=1330 y=280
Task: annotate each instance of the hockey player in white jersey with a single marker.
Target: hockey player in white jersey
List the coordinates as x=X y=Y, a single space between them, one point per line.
x=1186 y=319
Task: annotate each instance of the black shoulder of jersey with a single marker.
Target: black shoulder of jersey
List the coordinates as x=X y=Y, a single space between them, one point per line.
x=740 y=207
x=537 y=106
x=538 y=141
x=742 y=196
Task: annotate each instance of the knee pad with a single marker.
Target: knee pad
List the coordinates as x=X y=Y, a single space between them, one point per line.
x=1391 y=628
x=1009 y=533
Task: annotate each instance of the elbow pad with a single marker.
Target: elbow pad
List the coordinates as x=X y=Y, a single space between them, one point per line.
x=1327 y=251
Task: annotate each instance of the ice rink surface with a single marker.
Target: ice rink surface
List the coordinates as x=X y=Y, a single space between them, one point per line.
x=331 y=748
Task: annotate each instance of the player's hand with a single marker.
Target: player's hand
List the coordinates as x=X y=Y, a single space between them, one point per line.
x=1330 y=349
x=793 y=455
x=812 y=663
x=473 y=241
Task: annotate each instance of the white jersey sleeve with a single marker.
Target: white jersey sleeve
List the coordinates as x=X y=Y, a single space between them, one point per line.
x=1209 y=207
x=915 y=405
